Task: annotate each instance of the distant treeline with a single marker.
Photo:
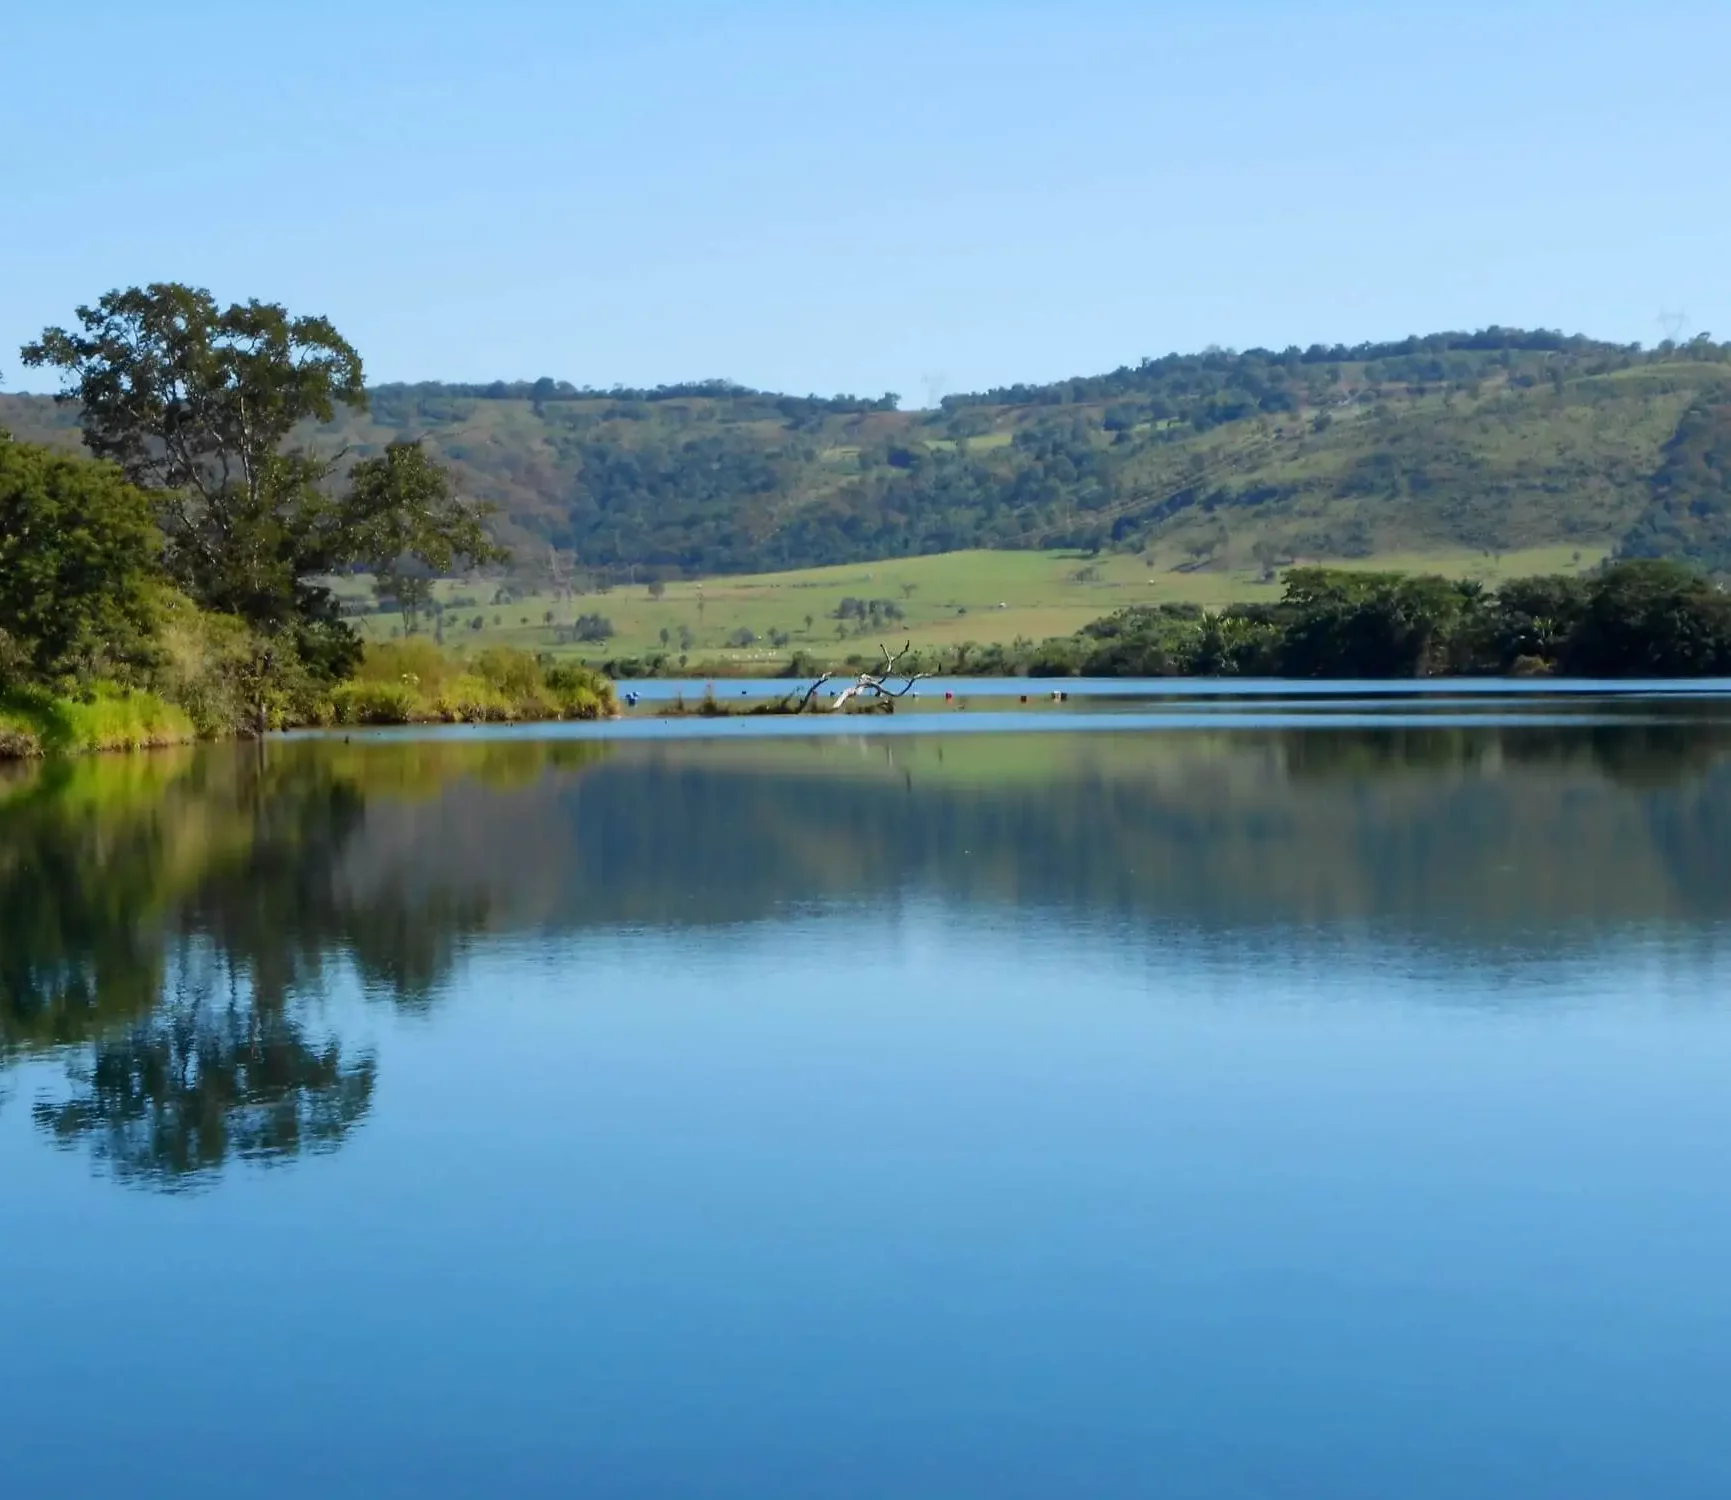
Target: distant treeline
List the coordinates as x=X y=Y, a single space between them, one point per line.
x=1433 y=358
x=547 y=390
x=1640 y=619
x=1470 y=439
x=1489 y=441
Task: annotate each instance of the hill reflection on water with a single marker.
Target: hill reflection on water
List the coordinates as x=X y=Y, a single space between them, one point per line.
x=169 y=925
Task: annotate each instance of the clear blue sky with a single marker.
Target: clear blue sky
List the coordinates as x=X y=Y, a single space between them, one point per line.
x=900 y=196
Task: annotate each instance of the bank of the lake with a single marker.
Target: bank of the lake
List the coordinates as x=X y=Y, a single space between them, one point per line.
x=1635 y=618
x=35 y=724
x=411 y=684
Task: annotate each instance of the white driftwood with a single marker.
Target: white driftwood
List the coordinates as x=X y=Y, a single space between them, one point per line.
x=876 y=683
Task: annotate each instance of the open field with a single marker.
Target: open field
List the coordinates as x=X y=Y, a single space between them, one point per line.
x=945 y=599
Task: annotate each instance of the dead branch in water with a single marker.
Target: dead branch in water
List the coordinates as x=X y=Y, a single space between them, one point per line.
x=876 y=682
x=810 y=693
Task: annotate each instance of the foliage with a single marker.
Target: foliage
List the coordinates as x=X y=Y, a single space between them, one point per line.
x=401 y=508
x=403 y=398
x=78 y=551
x=34 y=722
x=211 y=666
x=1227 y=382
x=1633 y=619
x=413 y=682
x=1651 y=619
x=1348 y=624
x=187 y=397
x=1689 y=516
x=869 y=611
x=1498 y=440
x=200 y=404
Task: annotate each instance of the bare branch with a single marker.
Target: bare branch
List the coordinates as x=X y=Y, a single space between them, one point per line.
x=876 y=682
x=810 y=693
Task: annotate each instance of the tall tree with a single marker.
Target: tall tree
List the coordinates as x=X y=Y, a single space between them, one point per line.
x=201 y=405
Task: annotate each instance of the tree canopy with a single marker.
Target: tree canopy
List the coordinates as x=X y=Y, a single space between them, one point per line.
x=78 y=553
x=1634 y=619
x=1689 y=517
x=201 y=406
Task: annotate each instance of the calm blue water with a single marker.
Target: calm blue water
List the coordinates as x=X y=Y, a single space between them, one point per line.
x=1226 y=1109
x=663 y=690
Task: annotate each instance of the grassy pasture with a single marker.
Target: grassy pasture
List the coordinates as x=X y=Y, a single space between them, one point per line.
x=947 y=598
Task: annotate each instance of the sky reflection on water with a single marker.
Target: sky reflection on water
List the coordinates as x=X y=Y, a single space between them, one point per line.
x=1230 y=1111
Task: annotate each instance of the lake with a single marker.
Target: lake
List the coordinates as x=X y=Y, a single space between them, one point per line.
x=1283 y=1097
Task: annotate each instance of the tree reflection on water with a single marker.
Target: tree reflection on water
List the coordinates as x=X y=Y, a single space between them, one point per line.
x=170 y=1099
x=171 y=924
x=173 y=927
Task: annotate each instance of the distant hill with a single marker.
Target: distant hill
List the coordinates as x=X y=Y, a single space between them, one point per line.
x=1494 y=441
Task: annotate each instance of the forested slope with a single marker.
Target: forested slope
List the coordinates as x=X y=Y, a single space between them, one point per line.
x=1494 y=441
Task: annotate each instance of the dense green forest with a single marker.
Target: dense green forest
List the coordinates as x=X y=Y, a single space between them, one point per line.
x=1634 y=618
x=1689 y=515
x=1494 y=441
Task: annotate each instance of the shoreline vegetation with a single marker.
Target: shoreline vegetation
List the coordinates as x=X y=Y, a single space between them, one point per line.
x=1633 y=619
x=174 y=584
x=417 y=683
x=182 y=582
x=35 y=724
x=411 y=684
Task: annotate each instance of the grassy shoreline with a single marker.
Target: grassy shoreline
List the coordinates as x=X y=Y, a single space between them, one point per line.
x=412 y=684
x=34 y=723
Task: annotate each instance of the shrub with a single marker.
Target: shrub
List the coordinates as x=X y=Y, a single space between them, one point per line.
x=417 y=683
x=579 y=692
x=366 y=701
x=104 y=717
x=206 y=663
x=514 y=673
x=472 y=699
x=417 y=662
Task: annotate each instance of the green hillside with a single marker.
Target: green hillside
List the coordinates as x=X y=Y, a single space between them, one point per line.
x=1223 y=462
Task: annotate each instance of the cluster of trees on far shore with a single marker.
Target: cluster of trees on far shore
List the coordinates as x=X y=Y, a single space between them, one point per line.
x=181 y=563
x=1632 y=619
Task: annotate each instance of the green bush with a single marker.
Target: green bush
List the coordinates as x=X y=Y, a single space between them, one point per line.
x=416 y=683
x=375 y=702
x=580 y=692
x=515 y=674
x=471 y=699
x=104 y=717
x=417 y=662
x=206 y=664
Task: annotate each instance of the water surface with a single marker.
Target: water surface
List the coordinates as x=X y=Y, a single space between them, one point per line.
x=1278 y=1101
